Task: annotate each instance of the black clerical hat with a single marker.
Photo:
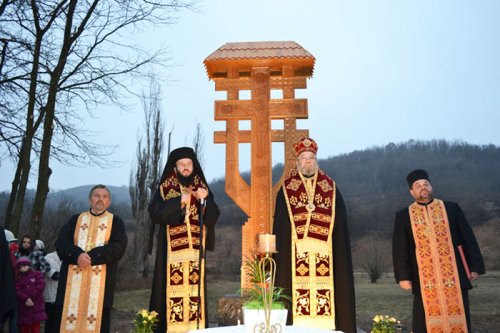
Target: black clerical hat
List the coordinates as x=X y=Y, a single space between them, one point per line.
x=180 y=153
x=416 y=175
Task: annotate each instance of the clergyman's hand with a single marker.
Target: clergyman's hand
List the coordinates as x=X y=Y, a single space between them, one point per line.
x=405 y=284
x=473 y=276
x=84 y=260
x=185 y=199
x=201 y=193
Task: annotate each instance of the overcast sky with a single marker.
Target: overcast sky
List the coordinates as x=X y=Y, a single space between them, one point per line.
x=386 y=71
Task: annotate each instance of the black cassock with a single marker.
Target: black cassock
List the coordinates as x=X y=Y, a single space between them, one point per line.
x=165 y=213
x=405 y=260
x=108 y=254
x=345 y=308
x=8 y=301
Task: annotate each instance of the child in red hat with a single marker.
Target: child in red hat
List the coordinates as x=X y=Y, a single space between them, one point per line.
x=30 y=284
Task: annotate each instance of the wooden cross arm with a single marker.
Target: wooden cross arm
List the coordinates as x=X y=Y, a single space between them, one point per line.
x=245 y=136
x=245 y=110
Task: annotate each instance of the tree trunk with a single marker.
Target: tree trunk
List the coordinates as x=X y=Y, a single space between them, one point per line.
x=20 y=181
x=44 y=171
x=21 y=190
x=9 y=219
x=142 y=235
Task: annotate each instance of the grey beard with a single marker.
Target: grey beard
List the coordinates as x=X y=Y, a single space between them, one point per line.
x=307 y=173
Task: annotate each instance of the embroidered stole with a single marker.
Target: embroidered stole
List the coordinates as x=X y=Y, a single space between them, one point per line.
x=438 y=273
x=311 y=208
x=183 y=271
x=84 y=297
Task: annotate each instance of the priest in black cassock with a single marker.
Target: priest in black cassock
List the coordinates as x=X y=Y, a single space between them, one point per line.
x=436 y=256
x=183 y=194
x=314 y=263
x=90 y=246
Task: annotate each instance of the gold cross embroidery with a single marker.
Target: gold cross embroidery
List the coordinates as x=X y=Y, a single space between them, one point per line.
x=91 y=319
x=71 y=318
x=429 y=286
x=77 y=269
x=97 y=270
x=449 y=283
x=89 y=245
x=420 y=221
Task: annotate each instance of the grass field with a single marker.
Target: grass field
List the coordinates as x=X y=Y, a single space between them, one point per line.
x=384 y=297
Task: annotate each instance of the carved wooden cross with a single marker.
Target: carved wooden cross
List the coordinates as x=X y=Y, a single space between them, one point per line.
x=259 y=68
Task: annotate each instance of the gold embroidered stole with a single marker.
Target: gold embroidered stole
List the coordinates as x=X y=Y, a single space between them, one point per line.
x=311 y=208
x=183 y=271
x=84 y=297
x=438 y=273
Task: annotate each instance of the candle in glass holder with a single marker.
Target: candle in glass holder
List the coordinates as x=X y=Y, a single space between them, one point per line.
x=267 y=243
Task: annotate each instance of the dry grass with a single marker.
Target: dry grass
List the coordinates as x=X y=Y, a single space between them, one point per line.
x=384 y=297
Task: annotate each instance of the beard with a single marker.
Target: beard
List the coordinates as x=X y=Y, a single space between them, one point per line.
x=186 y=180
x=307 y=171
x=425 y=197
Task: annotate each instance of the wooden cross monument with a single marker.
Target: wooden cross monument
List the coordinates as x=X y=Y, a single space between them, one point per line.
x=258 y=67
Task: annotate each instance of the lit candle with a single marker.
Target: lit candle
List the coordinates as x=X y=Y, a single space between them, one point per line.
x=267 y=243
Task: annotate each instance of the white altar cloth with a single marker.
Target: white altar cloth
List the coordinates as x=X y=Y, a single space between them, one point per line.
x=241 y=329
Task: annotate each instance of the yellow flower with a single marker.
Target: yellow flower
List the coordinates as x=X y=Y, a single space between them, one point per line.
x=383 y=324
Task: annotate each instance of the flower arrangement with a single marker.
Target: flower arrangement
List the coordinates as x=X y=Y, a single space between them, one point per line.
x=145 y=321
x=253 y=297
x=384 y=324
x=263 y=309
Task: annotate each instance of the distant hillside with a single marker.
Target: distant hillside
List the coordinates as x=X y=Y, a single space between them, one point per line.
x=81 y=194
x=373 y=181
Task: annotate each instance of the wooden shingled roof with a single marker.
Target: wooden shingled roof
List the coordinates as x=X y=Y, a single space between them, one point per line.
x=245 y=55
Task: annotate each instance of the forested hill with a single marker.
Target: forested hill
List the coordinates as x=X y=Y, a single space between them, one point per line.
x=373 y=181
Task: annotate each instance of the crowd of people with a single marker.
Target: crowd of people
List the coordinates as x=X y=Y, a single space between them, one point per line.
x=34 y=275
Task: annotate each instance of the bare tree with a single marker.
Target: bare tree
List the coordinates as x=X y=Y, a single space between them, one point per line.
x=144 y=180
x=198 y=143
x=59 y=58
x=58 y=215
x=373 y=255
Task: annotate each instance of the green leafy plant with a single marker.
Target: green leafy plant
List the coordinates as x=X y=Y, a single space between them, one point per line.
x=145 y=321
x=253 y=297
